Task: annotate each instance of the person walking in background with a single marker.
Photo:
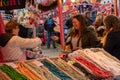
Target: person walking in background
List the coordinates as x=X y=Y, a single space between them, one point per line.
x=13 y=46
x=49 y=27
x=111 y=39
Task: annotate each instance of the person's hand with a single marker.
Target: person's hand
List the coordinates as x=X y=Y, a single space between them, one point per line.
x=57 y=29
x=55 y=38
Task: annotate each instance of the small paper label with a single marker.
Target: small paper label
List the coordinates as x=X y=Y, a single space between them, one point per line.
x=37 y=63
x=12 y=65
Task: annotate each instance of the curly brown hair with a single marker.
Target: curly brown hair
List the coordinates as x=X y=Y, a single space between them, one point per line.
x=112 y=21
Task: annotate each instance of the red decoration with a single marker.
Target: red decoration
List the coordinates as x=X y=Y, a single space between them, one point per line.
x=94 y=68
x=68 y=2
x=1 y=25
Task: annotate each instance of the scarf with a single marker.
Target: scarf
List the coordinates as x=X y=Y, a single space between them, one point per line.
x=103 y=41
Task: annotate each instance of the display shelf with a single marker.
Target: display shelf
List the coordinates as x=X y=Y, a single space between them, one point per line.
x=57 y=68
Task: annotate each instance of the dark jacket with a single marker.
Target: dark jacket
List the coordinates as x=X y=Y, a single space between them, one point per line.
x=112 y=45
x=69 y=23
x=49 y=25
x=4 y=38
x=23 y=32
x=88 y=21
x=88 y=40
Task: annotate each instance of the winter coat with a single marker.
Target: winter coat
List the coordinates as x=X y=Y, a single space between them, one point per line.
x=88 y=39
x=49 y=25
x=112 y=45
x=12 y=46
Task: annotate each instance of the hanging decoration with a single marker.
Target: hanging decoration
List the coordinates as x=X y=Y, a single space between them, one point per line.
x=106 y=9
x=47 y=5
x=12 y=4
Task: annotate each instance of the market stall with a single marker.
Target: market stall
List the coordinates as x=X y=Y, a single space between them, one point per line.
x=82 y=64
x=85 y=64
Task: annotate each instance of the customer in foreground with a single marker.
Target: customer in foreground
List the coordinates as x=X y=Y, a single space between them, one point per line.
x=12 y=46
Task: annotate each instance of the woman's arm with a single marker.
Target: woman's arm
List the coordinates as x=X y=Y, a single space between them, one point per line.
x=27 y=42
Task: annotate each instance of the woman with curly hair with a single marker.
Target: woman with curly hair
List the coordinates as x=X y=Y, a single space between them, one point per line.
x=112 y=36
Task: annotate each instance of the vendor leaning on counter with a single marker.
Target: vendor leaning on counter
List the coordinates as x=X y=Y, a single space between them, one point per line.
x=13 y=46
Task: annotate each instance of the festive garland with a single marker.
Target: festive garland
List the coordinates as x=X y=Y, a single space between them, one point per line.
x=48 y=7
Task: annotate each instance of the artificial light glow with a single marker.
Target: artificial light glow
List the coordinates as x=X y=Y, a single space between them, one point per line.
x=64 y=1
x=72 y=0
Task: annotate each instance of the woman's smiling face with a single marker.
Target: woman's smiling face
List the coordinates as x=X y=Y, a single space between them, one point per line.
x=76 y=24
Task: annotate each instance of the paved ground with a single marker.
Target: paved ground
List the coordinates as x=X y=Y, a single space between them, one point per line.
x=51 y=52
